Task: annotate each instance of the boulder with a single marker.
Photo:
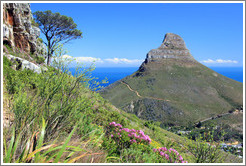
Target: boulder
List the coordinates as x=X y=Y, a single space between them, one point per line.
x=24 y=64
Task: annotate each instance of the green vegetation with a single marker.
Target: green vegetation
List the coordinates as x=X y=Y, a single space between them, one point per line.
x=57 y=29
x=175 y=94
x=34 y=23
x=206 y=151
x=18 y=53
x=40 y=40
x=57 y=118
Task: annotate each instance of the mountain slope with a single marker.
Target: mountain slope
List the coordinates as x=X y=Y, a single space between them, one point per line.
x=172 y=87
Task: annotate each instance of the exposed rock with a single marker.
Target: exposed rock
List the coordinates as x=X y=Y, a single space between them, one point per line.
x=41 y=49
x=173 y=47
x=18 y=31
x=5 y=31
x=8 y=36
x=24 y=64
x=173 y=88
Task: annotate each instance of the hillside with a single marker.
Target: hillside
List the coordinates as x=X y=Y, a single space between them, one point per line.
x=52 y=116
x=173 y=88
x=85 y=109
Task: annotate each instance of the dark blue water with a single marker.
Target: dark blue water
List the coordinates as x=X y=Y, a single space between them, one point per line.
x=111 y=74
x=114 y=74
x=235 y=73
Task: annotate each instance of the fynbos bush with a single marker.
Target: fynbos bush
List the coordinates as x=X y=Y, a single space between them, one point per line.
x=130 y=145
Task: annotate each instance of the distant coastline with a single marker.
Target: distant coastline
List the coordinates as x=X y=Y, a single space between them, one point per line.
x=116 y=73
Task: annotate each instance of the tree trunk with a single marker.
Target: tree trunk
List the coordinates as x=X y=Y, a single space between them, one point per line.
x=49 y=53
x=49 y=58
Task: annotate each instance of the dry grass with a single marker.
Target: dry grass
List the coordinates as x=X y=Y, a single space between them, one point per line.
x=8 y=116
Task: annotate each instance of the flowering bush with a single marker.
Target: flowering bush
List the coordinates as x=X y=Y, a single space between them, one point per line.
x=170 y=155
x=134 y=146
x=134 y=136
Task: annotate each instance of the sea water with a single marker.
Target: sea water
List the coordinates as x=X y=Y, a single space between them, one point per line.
x=113 y=74
x=235 y=73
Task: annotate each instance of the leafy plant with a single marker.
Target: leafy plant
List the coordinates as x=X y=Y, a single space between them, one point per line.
x=205 y=152
x=35 y=150
x=132 y=145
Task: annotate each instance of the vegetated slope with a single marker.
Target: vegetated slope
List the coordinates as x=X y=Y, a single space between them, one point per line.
x=64 y=103
x=190 y=91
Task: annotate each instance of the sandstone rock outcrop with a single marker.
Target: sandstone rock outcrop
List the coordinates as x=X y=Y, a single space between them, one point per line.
x=18 y=31
x=173 y=47
x=24 y=64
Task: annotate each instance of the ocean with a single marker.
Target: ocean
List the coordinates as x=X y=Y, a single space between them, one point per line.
x=235 y=73
x=116 y=73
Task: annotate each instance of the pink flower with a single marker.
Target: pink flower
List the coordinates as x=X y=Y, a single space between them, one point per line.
x=141 y=132
x=112 y=135
x=126 y=129
x=166 y=156
x=154 y=150
x=164 y=149
x=161 y=153
x=180 y=157
x=112 y=123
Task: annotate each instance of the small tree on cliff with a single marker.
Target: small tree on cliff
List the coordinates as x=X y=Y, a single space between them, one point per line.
x=57 y=28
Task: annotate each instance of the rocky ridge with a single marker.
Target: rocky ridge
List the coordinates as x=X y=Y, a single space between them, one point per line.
x=18 y=31
x=173 y=47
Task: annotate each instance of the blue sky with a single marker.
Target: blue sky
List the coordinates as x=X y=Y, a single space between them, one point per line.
x=122 y=34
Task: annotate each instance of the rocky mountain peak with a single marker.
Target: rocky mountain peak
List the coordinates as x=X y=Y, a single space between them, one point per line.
x=173 y=41
x=173 y=47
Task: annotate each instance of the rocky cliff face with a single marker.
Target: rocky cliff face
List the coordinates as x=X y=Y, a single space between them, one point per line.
x=18 y=31
x=173 y=47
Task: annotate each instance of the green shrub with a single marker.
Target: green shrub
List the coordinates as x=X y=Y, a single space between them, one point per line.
x=40 y=40
x=130 y=145
x=34 y=23
x=206 y=152
x=39 y=59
